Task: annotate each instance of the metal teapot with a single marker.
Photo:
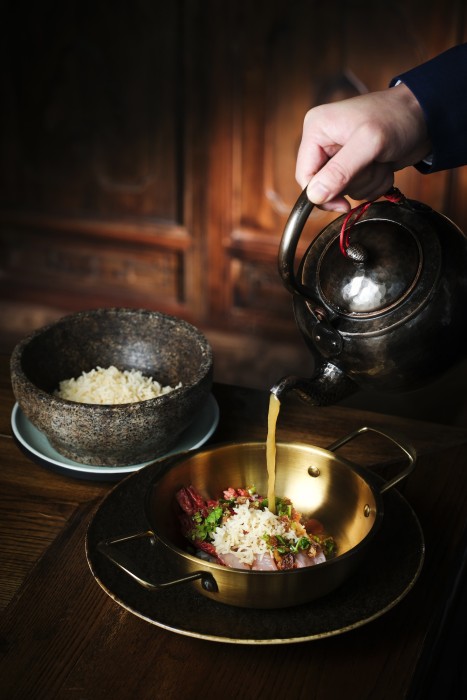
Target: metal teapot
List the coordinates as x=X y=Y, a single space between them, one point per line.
x=381 y=301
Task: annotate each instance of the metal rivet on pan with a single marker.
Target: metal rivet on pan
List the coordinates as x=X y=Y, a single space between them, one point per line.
x=313 y=471
x=366 y=511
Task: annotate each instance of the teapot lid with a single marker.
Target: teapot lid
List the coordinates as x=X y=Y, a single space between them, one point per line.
x=391 y=269
x=400 y=262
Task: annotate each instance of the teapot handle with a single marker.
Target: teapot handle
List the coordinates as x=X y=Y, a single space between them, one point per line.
x=288 y=246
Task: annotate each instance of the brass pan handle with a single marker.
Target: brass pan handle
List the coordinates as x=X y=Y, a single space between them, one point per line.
x=408 y=450
x=124 y=562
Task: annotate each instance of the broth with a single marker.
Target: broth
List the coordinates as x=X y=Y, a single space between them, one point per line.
x=274 y=406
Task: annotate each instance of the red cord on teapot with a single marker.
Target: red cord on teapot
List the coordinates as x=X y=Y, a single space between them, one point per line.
x=392 y=195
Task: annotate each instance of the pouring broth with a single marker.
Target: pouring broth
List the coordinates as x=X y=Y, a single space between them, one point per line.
x=274 y=407
x=242 y=530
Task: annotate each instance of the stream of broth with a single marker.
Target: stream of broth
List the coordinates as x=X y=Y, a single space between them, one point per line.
x=274 y=406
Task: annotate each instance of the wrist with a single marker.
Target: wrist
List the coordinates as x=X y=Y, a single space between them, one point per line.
x=416 y=127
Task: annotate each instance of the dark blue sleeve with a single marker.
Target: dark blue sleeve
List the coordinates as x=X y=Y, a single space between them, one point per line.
x=440 y=86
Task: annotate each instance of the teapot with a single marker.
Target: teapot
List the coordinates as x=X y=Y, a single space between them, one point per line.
x=381 y=300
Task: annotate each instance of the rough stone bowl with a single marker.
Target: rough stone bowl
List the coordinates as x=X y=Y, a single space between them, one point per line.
x=161 y=346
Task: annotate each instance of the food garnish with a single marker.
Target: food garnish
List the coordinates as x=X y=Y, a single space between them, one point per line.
x=240 y=531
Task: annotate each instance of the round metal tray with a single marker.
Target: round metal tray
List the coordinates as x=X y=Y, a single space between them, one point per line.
x=385 y=577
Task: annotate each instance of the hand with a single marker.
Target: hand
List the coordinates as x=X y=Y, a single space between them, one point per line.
x=353 y=147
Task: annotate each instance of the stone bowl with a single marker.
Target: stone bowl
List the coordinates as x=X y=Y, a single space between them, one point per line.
x=166 y=348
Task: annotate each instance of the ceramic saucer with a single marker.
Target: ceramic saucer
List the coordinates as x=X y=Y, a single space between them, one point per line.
x=37 y=447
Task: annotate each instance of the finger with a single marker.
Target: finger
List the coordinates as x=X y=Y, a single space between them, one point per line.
x=336 y=175
x=310 y=159
x=339 y=204
x=372 y=182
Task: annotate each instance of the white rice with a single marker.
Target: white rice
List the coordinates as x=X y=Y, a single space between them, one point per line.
x=242 y=534
x=111 y=386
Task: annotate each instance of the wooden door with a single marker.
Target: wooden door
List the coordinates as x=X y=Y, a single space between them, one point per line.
x=102 y=135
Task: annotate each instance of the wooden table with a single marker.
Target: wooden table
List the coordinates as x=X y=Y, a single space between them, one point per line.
x=62 y=636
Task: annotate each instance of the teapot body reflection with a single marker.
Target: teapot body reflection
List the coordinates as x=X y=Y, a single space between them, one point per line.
x=389 y=311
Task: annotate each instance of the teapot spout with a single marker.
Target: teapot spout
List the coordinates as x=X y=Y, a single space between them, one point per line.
x=328 y=385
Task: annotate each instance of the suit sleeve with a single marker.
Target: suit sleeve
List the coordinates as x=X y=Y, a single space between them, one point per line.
x=440 y=86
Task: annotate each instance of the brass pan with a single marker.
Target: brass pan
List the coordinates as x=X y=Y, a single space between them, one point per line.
x=346 y=498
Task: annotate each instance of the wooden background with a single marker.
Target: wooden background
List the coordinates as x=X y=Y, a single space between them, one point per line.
x=148 y=155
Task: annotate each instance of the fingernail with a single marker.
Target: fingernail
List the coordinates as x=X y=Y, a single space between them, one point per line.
x=317 y=192
x=343 y=208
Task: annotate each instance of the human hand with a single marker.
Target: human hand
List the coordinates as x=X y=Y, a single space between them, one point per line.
x=353 y=147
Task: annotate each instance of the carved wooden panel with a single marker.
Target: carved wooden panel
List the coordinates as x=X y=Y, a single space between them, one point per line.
x=97 y=194
x=87 y=273
x=96 y=119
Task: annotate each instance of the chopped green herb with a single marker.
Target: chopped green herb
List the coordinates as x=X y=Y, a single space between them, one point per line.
x=283 y=508
x=205 y=526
